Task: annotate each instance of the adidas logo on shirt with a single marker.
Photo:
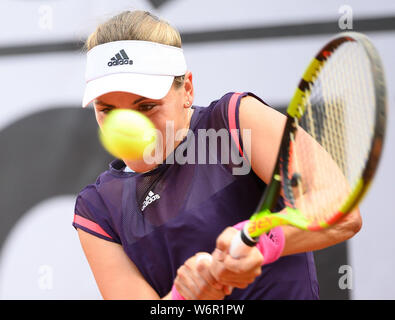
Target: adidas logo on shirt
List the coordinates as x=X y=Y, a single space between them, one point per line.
x=120 y=58
x=151 y=197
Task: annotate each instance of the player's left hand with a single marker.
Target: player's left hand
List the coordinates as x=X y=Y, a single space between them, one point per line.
x=233 y=272
x=195 y=282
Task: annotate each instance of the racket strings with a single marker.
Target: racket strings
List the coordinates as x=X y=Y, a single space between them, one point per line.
x=339 y=116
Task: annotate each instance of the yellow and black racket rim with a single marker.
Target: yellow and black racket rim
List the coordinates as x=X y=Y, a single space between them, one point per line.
x=332 y=139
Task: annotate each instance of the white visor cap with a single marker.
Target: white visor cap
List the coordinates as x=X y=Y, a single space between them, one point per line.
x=140 y=67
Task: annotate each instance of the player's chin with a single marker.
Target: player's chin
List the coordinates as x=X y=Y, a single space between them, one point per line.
x=140 y=165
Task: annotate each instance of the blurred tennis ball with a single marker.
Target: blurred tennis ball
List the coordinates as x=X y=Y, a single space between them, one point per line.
x=127 y=133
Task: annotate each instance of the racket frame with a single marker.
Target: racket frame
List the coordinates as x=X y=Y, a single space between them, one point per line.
x=264 y=220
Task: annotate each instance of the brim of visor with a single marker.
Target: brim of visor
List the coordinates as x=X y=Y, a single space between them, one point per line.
x=149 y=86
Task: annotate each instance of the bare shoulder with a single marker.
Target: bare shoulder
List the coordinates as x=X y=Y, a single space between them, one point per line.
x=253 y=109
x=261 y=130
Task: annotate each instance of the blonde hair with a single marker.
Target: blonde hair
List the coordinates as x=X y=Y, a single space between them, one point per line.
x=136 y=25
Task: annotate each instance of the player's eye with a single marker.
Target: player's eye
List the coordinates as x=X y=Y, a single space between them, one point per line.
x=146 y=107
x=105 y=110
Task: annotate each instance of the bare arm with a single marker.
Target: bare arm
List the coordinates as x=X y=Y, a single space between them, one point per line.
x=302 y=241
x=116 y=275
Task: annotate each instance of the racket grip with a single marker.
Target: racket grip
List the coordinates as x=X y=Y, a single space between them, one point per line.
x=239 y=247
x=270 y=247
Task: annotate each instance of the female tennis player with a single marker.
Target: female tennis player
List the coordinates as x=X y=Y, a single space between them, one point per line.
x=144 y=225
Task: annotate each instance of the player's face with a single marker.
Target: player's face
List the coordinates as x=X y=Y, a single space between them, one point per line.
x=168 y=113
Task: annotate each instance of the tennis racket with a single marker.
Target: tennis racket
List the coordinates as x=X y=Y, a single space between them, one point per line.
x=331 y=144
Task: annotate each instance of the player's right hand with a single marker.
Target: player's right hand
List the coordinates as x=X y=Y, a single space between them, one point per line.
x=234 y=272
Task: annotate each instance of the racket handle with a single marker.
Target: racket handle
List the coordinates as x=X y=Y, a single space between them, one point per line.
x=241 y=245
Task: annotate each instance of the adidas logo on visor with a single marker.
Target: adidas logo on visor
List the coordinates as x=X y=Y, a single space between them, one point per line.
x=119 y=59
x=151 y=197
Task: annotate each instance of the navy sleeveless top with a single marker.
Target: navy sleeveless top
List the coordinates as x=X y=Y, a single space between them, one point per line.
x=164 y=216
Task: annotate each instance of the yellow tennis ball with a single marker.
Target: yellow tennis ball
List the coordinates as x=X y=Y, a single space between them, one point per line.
x=127 y=133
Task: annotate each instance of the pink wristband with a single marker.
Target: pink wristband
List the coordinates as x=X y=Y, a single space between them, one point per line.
x=175 y=294
x=270 y=245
